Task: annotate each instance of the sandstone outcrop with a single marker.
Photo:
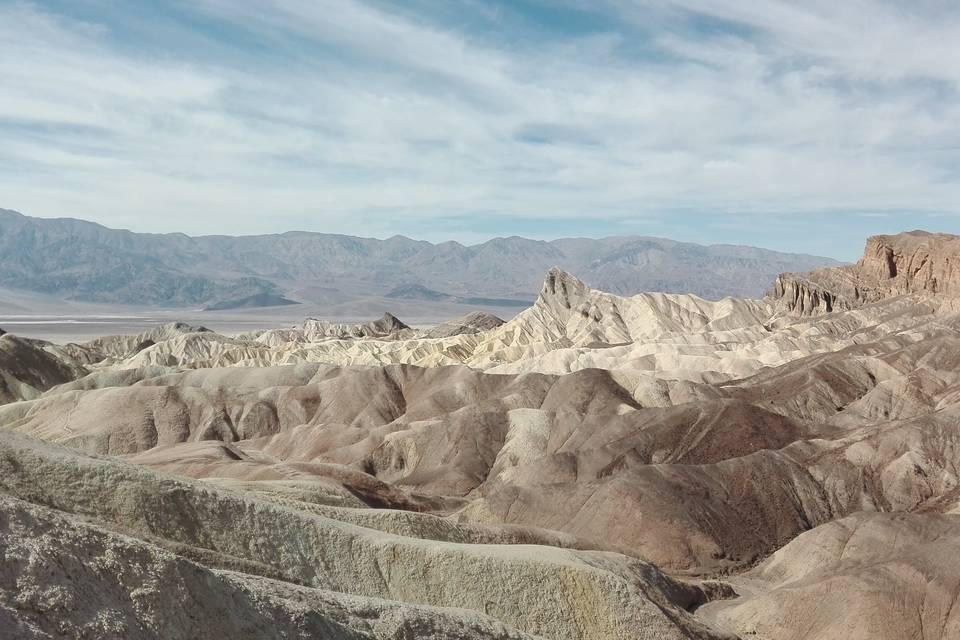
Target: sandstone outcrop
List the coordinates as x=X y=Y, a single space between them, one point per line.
x=908 y=263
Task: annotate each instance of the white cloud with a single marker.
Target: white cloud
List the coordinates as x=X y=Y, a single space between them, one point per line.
x=344 y=117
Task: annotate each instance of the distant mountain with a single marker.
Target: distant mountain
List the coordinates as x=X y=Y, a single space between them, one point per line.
x=256 y=301
x=80 y=260
x=420 y=292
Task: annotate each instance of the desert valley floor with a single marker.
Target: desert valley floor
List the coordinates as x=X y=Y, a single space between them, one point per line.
x=657 y=466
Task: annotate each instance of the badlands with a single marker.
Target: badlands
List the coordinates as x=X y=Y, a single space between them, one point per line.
x=657 y=466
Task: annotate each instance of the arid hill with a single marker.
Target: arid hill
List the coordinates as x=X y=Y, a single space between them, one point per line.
x=656 y=466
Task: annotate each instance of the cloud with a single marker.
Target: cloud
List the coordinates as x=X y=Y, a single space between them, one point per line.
x=355 y=117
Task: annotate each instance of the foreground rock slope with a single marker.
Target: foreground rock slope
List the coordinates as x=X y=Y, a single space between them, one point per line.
x=259 y=563
x=870 y=575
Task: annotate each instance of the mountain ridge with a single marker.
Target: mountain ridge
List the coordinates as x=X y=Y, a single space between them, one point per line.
x=85 y=261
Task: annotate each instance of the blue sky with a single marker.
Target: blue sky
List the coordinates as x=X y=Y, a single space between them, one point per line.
x=794 y=126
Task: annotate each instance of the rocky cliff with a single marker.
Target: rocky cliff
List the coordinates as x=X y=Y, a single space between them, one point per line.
x=804 y=296
x=892 y=265
x=911 y=262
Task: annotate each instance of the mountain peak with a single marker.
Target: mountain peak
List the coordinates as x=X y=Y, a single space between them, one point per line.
x=562 y=290
x=557 y=277
x=392 y=322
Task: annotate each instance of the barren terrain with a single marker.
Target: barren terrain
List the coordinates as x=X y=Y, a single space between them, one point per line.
x=598 y=466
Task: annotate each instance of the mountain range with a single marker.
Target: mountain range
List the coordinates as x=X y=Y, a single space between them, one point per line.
x=83 y=261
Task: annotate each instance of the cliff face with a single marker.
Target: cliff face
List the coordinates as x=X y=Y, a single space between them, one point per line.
x=912 y=262
x=892 y=265
x=805 y=297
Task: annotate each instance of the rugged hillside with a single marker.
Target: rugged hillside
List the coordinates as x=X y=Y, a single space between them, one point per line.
x=870 y=575
x=597 y=467
x=85 y=261
x=595 y=453
x=570 y=327
x=30 y=367
x=195 y=560
x=914 y=262
x=476 y=322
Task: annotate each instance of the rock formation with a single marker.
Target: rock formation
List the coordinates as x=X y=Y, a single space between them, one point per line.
x=120 y=347
x=30 y=367
x=472 y=323
x=914 y=262
x=316 y=330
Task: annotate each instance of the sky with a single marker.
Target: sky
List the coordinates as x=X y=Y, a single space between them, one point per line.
x=798 y=126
